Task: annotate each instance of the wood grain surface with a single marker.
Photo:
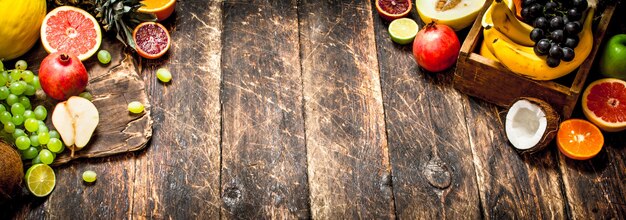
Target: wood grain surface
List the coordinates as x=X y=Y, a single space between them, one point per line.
x=348 y=162
x=263 y=145
x=511 y=185
x=432 y=161
x=305 y=109
x=178 y=176
x=596 y=188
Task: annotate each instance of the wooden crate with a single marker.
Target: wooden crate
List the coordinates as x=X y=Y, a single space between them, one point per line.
x=489 y=80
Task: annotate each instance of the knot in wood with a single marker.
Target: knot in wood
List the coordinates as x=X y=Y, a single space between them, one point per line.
x=437 y=174
x=232 y=196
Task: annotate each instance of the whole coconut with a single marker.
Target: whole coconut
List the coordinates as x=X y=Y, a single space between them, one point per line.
x=12 y=172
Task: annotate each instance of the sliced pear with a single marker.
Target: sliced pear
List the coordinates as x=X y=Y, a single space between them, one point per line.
x=75 y=119
x=63 y=123
x=86 y=119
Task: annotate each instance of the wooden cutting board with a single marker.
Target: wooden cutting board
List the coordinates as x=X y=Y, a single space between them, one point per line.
x=113 y=86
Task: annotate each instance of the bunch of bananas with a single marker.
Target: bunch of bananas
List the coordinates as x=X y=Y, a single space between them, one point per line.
x=506 y=39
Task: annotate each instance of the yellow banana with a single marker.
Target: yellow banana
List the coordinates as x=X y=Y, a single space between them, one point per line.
x=523 y=60
x=490 y=34
x=486 y=20
x=484 y=51
x=505 y=21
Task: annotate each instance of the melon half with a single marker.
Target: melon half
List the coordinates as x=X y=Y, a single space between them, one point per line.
x=457 y=14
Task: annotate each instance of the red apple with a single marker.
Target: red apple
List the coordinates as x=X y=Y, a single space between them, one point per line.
x=436 y=47
x=62 y=75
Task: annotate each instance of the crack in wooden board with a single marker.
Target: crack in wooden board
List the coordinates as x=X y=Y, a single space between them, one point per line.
x=348 y=162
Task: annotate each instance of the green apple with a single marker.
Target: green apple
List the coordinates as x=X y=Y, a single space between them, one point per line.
x=613 y=57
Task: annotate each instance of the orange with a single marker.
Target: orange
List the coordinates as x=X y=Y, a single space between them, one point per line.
x=152 y=40
x=579 y=139
x=393 y=9
x=161 y=8
x=71 y=30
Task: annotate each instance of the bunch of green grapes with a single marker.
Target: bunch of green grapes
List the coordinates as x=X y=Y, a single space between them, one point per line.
x=22 y=124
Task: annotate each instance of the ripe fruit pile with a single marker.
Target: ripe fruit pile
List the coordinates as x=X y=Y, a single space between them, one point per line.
x=512 y=42
x=22 y=124
x=557 y=24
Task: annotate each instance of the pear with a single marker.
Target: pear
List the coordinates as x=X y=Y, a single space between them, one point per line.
x=75 y=119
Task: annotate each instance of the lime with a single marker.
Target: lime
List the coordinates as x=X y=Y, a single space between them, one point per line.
x=403 y=30
x=40 y=180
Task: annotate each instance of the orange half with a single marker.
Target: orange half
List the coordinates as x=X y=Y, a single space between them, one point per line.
x=579 y=139
x=161 y=8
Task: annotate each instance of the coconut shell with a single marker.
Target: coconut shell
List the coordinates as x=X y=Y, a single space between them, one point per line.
x=12 y=172
x=552 y=124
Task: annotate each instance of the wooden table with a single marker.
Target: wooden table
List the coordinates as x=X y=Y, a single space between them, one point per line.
x=306 y=109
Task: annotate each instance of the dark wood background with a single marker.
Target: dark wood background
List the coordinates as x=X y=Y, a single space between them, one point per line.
x=306 y=109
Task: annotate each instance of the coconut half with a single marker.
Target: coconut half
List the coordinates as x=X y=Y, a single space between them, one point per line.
x=531 y=124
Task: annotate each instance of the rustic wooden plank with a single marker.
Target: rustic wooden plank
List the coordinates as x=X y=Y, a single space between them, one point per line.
x=177 y=177
x=431 y=157
x=349 y=171
x=263 y=145
x=511 y=185
x=596 y=188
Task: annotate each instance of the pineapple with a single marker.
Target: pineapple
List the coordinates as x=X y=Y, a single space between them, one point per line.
x=118 y=16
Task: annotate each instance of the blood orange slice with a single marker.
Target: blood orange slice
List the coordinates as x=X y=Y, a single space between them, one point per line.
x=71 y=30
x=604 y=104
x=393 y=9
x=152 y=40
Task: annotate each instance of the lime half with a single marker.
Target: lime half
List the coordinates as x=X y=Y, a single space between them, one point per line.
x=40 y=180
x=403 y=30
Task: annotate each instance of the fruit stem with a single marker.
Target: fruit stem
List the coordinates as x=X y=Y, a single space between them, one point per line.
x=432 y=24
x=64 y=58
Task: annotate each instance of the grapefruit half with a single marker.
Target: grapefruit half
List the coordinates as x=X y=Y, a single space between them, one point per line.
x=604 y=104
x=71 y=30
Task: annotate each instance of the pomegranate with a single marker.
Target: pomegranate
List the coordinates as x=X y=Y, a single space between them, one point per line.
x=62 y=75
x=436 y=47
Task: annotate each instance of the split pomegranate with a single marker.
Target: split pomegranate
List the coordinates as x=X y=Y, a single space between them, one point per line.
x=436 y=47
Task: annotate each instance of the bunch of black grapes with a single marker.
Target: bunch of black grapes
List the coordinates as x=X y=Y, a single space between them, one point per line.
x=556 y=26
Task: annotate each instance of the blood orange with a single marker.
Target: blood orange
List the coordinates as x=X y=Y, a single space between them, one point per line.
x=393 y=9
x=152 y=40
x=604 y=104
x=71 y=30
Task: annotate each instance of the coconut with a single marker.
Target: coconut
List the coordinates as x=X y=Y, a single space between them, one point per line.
x=11 y=172
x=531 y=124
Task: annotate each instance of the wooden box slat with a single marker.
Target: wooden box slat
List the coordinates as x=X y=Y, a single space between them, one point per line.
x=489 y=80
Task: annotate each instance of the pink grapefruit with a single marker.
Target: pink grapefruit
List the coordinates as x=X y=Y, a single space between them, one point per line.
x=71 y=30
x=604 y=104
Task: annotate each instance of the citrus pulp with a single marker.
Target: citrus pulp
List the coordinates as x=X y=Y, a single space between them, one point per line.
x=152 y=40
x=579 y=139
x=71 y=30
x=403 y=30
x=40 y=180
x=604 y=104
x=393 y=9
